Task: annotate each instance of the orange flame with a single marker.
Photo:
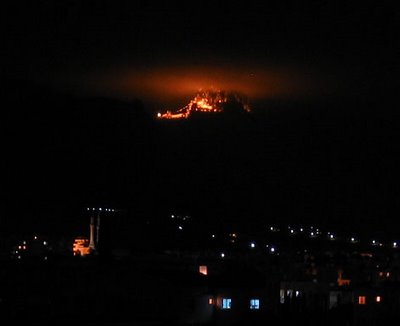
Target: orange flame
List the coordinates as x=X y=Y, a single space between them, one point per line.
x=204 y=101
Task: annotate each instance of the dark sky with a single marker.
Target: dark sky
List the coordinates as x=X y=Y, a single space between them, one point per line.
x=165 y=52
x=320 y=146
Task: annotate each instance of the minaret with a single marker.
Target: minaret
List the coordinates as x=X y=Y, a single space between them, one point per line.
x=92 y=244
x=98 y=229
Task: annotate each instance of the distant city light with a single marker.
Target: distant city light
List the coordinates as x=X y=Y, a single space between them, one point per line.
x=222 y=255
x=252 y=245
x=180 y=227
x=203 y=269
x=254 y=304
x=226 y=303
x=394 y=244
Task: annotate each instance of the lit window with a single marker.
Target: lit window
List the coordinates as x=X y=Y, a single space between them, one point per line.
x=254 y=304
x=378 y=298
x=361 y=299
x=203 y=270
x=210 y=301
x=226 y=303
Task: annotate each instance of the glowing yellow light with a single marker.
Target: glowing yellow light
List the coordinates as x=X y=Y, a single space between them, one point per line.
x=81 y=247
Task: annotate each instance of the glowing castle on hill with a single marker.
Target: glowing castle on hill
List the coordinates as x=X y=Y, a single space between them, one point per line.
x=207 y=102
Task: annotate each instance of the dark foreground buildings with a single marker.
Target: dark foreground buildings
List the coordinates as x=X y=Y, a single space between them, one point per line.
x=236 y=279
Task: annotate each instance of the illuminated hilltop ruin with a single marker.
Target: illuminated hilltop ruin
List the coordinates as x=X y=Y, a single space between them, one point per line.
x=208 y=102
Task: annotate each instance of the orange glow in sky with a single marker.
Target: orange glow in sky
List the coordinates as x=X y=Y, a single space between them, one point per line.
x=173 y=86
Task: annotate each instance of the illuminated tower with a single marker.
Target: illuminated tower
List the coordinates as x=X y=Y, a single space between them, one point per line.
x=91 y=241
x=98 y=229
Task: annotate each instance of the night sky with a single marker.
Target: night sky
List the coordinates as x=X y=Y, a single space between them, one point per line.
x=82 y=80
